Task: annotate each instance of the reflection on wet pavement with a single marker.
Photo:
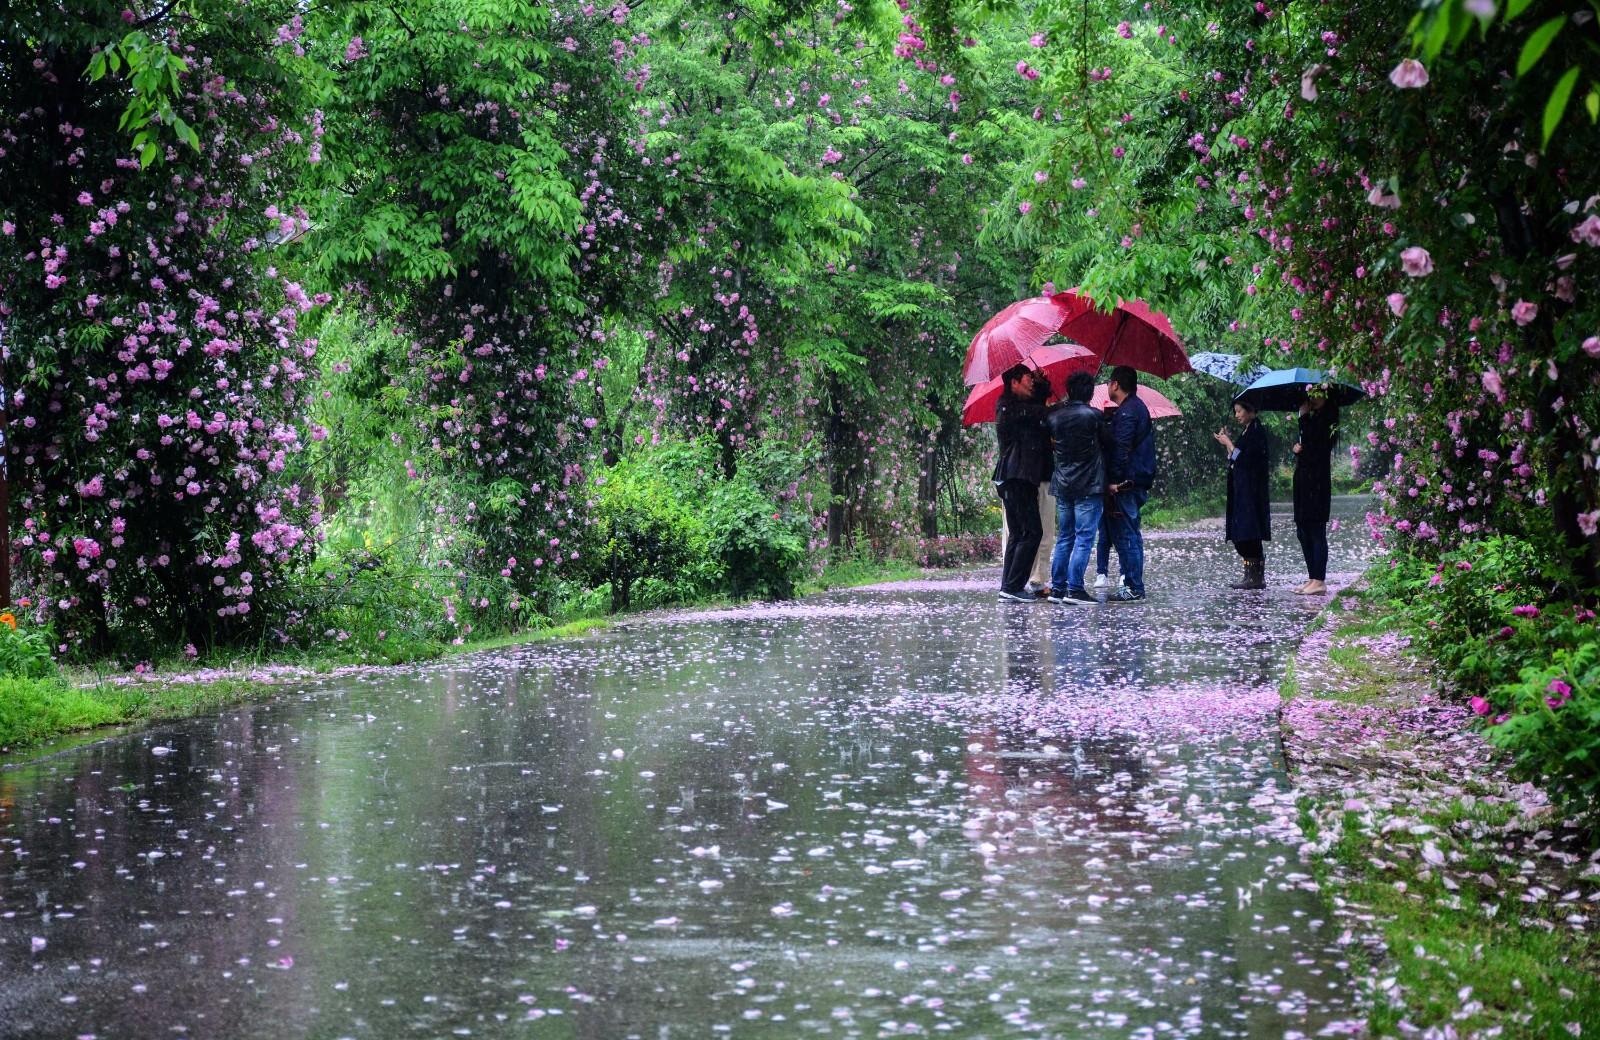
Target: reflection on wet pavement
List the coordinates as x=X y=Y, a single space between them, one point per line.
x=898 y=811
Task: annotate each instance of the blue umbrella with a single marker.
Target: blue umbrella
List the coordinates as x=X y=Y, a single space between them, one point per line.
x=1227 y=367
x=1284 y=390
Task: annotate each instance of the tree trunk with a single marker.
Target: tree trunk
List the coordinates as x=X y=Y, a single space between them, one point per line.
x=928 y=490
x=841 y=456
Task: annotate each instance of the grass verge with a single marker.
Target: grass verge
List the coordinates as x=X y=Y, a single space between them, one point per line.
x=1476 y=900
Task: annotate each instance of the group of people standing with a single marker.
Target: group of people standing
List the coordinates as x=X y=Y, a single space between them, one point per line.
x=1100 y=467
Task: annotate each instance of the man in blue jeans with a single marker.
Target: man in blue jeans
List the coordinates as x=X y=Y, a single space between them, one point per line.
x=1078 y=482
x=1131 y=469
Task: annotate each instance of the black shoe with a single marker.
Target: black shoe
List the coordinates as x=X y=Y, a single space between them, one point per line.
x=1017 y=597
x=1057 y=597
x=1125 y=595
x=1079 y=598
x=1255 y=576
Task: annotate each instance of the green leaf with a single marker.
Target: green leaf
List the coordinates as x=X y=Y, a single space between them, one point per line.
x=1438 y=32
x=147 y=153
x=1592 y=103
x=1538 y=42
x=1556 y=107
x=1516 y=7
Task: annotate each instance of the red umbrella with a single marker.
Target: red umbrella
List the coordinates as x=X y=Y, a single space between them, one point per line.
x=1160 y=407
x=1129 y=334
x=1054 y=362
x=1008 y=338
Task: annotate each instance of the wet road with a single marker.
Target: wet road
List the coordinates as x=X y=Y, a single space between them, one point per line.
x=906 y=810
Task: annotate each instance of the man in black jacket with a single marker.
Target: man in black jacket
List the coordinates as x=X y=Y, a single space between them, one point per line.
x=1078 y=483
x=1130 y=470
x=1024 y=462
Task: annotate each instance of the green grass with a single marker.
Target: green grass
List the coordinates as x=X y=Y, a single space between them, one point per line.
x=1289 y=686
x=35 y=711
x=848 y=574
x=1161 y=514
x=1531 y=979
x=1532 y=974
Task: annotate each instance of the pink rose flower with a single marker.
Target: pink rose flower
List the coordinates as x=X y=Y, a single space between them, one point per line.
x=1479 y=706
x=1397 y=303
x=1416 y=262
x=1383 y=199
x=1589 y=523
x=1523 y=312
x=1409 y=75
x=1588 y=232
x=1491 y=383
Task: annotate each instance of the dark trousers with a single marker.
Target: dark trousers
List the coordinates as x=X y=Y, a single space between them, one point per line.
x=1249 y=549
x=1020 y=498
x=1314 y=544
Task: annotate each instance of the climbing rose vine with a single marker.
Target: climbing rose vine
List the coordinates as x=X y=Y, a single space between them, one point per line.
x=156 y=374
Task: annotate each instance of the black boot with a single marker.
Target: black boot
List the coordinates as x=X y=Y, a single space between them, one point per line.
x=1255 y=576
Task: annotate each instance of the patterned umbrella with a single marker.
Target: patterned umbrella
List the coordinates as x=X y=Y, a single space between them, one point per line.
x=1227 y=367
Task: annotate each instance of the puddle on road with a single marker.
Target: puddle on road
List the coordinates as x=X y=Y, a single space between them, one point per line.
x=905 y=810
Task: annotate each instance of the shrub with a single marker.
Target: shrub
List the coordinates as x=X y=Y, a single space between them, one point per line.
x=1551 y=726
x=761 y=553
x=1476 y=610
x=653 y=549
x=673 y=527
x=24 y=649
x=160 y=379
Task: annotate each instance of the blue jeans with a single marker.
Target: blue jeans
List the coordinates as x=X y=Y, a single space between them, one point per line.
x=1077 y=522
x=1129 y=539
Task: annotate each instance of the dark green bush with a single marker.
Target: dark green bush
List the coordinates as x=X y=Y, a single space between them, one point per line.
x=653 y=549
x=1550 y=723
x=673 y=527
x=1477 y=610
x=761 y=553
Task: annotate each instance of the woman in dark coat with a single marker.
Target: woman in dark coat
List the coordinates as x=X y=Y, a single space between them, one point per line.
x=1025 y=461
x=1313 y=486
x=1249 y=521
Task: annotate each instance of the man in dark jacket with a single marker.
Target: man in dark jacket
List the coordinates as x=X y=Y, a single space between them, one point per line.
x=1078 y=483
x=1131 y=469
x=1024 y=462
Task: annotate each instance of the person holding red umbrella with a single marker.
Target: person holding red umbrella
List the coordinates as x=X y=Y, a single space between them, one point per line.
x=1024 y=463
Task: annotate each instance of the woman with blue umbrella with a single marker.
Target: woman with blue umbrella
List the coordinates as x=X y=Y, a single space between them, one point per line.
x=1313 y=484
x=1317 y=400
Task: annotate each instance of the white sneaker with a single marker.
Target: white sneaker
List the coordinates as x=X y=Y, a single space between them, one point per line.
x=1101 y=581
